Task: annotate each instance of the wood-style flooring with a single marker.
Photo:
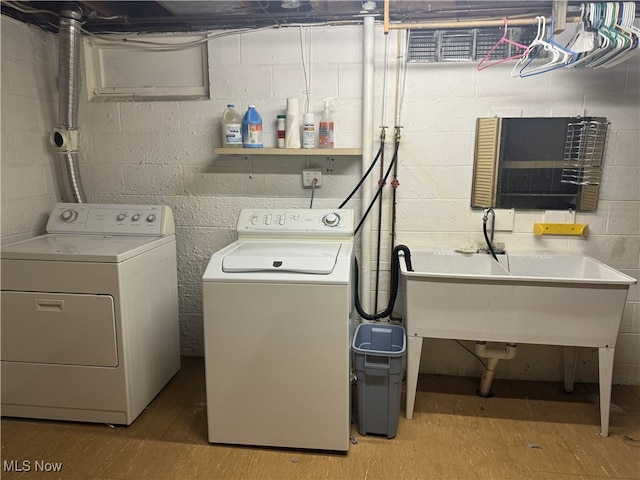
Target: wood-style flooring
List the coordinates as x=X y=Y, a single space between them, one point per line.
x=529 y=430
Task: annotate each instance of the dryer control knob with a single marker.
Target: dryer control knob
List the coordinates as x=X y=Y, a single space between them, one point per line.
x=69 y=215
x=151 y=218
x=121 y=217
x=331 y=219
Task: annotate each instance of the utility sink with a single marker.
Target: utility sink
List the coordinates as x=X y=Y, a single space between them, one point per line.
x=543 y=298
x=452 y=264
x=563 y=267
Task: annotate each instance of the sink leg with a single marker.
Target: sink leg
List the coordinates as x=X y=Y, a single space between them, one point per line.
x=570 y=362
x=414 y=352
x=605 y=368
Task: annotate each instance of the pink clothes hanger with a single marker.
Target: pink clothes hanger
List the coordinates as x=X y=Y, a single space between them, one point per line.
x=483 y=63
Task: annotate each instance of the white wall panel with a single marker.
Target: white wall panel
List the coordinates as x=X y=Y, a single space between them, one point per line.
x=127 y=71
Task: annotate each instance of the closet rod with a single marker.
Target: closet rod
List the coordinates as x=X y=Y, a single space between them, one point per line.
x=516 y=22
x=513 y=22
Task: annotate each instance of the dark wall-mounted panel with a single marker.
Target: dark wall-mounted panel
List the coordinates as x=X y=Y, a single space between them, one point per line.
x=528 y=160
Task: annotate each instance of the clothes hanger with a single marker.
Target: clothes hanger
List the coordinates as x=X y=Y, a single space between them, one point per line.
x=560 y=56
x=606 y=37
x=538 y=45
x=484 y=62
x=589 y=22
x=569 y=56
x=583 y=40
x=629 y=13
x=625 y=28
x=599 y=18
x=620 y=41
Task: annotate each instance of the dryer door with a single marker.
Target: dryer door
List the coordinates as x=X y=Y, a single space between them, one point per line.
x=53 y=328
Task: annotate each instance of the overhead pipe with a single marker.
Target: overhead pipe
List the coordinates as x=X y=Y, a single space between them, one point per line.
x=65 y=136
x=493 y=356
x=444 y=25
x=367 y=152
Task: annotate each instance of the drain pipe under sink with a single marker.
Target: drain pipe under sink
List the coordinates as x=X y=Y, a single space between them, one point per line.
x=493 y=356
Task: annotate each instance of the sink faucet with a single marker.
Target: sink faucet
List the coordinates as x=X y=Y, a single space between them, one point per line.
x=485 y=218
x=488 y=236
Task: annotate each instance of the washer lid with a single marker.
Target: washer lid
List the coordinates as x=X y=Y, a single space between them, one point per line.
x=81 y=248
x=308 y=257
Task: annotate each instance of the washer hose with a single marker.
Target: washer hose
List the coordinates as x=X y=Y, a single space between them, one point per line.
x=486 y=238
x=395 y=280
x=380 y=187
x=364 y=177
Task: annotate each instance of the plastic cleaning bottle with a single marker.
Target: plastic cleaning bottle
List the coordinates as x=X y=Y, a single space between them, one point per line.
x=281 y=123
x=308 y=131
x=231 y=127
x=252 y=128
x=326 y=131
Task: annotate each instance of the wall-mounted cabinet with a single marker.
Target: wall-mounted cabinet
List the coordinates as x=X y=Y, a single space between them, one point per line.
x=322 y=152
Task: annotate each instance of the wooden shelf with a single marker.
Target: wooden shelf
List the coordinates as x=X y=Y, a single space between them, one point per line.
x=324 y=152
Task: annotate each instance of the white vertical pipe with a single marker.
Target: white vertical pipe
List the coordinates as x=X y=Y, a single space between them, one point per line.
x=367 y=154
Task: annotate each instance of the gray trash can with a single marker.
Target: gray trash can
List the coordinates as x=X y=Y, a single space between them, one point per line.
x=379 y=351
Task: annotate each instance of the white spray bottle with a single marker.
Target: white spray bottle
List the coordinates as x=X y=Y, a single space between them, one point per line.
x=326 y=133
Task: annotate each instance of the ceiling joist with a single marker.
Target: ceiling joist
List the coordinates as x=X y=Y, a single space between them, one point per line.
x=183 y=16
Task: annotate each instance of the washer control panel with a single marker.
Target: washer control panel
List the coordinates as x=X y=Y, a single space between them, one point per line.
x=296 y=223
x=109 y=219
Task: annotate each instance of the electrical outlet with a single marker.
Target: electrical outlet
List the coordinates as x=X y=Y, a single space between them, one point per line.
x=308 y=176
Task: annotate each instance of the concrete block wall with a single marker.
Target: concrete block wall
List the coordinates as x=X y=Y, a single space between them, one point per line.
x=441 y=104
x=29 y=113
x=162 y=152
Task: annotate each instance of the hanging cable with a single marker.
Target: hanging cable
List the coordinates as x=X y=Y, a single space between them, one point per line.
x=401 y=63
x=383 y=134
x=380 y=155
x=313 y=189
x=379 y=190
x=364 y=177
x=472 y=353
x=394 y=187
x=401 y=78
x=384 y=81
x=486 y=238
x=395 y=281
x=383 y=131
x=307 y=80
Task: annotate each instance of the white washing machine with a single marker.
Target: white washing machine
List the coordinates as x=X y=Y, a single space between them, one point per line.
x=90 y=314
x=277 y=311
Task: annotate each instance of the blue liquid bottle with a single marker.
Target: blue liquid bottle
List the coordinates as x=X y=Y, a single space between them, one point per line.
x=252 y=128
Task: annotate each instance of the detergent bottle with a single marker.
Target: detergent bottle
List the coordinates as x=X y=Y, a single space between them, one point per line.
x=252 y=128
x=231 y=127
x=326 y=130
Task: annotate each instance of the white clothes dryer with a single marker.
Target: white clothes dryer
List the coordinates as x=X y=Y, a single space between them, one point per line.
x=277 y=313
x=90 y=314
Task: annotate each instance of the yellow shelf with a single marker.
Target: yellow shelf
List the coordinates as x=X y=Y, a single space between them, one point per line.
x=325 y=152
x=577 y=229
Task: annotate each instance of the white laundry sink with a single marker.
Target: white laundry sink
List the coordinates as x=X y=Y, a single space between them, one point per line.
x=452 y=264
x=539 y=298
x=563 y=267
